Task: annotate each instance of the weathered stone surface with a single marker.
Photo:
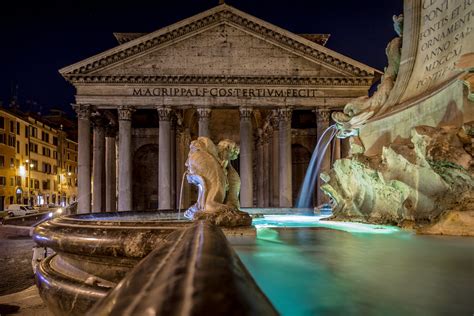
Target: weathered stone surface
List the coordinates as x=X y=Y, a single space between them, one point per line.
x=218 y=183
x=457 y=221
x=434 y=64
x=197 y=273
x=417 y=180
x=226 y=218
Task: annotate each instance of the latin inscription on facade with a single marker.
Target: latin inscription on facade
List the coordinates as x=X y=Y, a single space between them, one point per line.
x=446 y=33
x=225 y=92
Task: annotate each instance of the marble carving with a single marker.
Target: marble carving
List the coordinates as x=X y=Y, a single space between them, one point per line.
x=426 y=181
x=208 y=167
x=358 y=111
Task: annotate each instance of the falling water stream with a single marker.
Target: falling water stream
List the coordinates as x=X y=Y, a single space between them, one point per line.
x=181 y=195
x=305 y=195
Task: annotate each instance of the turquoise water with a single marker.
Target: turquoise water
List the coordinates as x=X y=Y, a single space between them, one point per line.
x=308 y=267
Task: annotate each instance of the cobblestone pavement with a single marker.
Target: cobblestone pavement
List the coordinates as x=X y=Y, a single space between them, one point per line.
x=24 y=303
x=16 y=273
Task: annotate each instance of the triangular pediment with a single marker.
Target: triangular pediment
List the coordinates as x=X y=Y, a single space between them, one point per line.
x=222 y=41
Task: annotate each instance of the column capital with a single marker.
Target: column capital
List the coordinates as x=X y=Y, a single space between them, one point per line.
x=203 y=113
x=83 y=111
x=245 y=113
x=164 y=113
x=284 y=114
x=125 y=112
x=322 y=115
x=274 y=120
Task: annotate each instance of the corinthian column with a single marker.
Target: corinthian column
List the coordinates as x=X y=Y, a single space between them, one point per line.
x=275 y=172
x=204 y=114
x=110 y=166
x=246 y=161
x=173 y=162
x=260 y=166
x=164 y=156
x=286 y=199
x=98 y=167
x=322 y=123
x=84 y=160
x=266 y=168
x=125 y=158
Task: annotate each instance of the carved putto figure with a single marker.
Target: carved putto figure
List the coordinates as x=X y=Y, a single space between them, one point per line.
x=359 y=110
x=209 y=168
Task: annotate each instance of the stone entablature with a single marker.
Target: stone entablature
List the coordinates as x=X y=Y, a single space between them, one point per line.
x=220 y=58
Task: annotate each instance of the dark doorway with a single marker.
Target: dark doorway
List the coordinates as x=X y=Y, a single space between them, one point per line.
x=300 y=157
x=145 y=178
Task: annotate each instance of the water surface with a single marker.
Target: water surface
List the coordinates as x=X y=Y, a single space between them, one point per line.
x=305 y=268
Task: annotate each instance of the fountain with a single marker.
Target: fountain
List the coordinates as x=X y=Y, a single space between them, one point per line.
x=412 y=157
x=94 y=252
x=411 y=165
x=218 y=183
x=305 y=194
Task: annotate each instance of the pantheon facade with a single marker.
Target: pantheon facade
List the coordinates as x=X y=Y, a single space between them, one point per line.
x=223 y=74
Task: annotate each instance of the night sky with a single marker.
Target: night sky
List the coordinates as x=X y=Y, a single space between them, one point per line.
x=40 y=37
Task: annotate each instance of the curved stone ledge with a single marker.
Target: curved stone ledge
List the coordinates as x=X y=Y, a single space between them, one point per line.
x=198 y=274
x=100 y=236
x=94 y=252
x=65 y=295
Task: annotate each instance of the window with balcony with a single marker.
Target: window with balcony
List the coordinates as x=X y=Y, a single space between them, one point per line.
x=34 y=131
x=33 y=148
x=11 y=141
x=46 y=168
x=46 y=152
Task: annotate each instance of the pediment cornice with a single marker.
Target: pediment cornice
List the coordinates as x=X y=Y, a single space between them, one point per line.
x=225 y=80
x=221 y=14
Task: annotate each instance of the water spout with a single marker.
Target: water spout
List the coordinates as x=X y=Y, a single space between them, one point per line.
x=181 y=195
x=312 y=173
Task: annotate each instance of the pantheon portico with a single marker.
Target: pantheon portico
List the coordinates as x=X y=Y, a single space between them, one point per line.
x=222 y=74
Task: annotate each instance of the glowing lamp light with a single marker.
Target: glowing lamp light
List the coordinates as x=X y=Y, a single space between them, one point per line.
x=69 y=174
x=22 y=171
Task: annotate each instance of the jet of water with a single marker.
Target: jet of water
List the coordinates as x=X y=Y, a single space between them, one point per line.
x=181 y=195
x=312 y=173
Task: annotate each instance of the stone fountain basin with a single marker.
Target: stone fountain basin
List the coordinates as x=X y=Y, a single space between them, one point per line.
x=93 y=252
